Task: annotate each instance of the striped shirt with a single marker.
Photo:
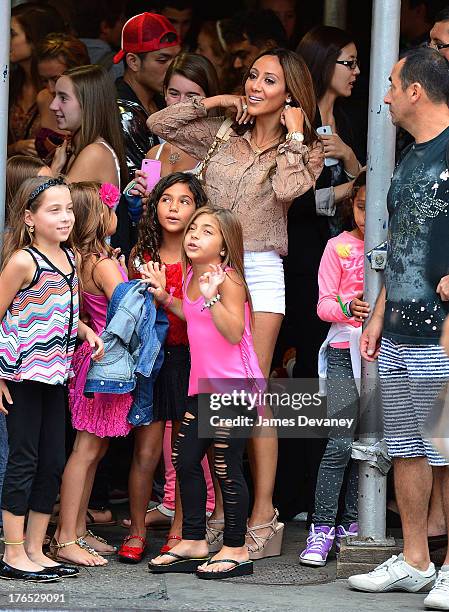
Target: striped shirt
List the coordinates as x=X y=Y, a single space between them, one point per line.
x=38 y=332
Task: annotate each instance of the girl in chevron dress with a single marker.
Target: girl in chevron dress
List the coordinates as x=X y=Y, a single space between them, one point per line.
x=38 y=329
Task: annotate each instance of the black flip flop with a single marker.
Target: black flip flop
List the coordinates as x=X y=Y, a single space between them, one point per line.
x=181 y=565
x=241 y=568
x=91 y=521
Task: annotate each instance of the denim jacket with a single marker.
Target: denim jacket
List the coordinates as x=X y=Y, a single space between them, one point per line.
x=133 y=341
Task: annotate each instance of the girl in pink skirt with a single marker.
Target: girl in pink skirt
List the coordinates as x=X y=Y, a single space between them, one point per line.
x=103 y=415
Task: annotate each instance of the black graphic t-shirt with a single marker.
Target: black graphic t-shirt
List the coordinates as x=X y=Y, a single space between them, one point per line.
x=418 y=244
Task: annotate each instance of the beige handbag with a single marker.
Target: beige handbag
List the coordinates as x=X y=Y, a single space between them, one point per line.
x=221 y=136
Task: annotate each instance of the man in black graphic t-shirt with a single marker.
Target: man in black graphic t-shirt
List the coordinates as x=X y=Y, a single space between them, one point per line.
x=406 y=323
x=418 y=240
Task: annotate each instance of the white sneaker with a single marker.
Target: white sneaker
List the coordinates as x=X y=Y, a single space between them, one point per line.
x=438 y=598
x=395 y=575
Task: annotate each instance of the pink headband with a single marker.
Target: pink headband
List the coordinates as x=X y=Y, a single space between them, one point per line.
x=109 y=195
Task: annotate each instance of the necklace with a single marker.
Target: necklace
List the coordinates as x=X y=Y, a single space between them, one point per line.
x=260 y=149
x=174 y=156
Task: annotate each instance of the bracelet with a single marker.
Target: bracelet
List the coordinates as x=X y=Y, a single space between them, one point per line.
x=350 y=176
x=128 y=188
x=171 y=297
x=211 y=302
x=348 y=311
x=296 y=135
x=345 y=308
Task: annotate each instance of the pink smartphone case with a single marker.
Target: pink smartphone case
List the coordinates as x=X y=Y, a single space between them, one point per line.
x=152 y=169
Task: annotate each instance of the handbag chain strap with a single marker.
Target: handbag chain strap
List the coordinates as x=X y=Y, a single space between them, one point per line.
x=221 y=136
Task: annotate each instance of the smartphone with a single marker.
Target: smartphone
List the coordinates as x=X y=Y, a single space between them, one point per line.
x=152 y=170
x=326 y=130
x=56 y=139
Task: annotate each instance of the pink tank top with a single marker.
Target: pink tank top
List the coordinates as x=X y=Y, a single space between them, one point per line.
x=96 y=306
x=213 y=358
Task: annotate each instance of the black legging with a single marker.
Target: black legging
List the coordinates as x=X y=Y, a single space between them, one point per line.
x=36 y=428
x=188 y=453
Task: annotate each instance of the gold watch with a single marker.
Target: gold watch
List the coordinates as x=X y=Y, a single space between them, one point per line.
x=298 y=136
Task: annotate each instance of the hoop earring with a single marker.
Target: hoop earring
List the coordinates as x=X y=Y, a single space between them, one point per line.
x=288 y=100
x=30 y=230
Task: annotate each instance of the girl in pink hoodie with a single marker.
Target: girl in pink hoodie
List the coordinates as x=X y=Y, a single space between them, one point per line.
x=340 y=280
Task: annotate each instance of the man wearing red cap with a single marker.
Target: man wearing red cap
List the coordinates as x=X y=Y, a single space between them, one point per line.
x=149 y=44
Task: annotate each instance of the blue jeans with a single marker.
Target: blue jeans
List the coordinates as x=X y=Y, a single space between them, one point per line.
x=3 y=454
x=342 y=402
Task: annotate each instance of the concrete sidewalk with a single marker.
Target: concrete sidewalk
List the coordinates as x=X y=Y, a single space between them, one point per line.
x=277 y=584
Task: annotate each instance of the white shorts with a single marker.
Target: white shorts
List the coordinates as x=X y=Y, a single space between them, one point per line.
x=264 y=273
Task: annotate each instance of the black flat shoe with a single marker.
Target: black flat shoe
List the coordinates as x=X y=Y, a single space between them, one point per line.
x=63 y=571
x=7 y=572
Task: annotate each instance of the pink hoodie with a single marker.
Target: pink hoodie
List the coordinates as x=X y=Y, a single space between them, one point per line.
x=340 y=273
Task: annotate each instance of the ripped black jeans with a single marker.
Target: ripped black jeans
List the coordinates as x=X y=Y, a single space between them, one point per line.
x=188 y=453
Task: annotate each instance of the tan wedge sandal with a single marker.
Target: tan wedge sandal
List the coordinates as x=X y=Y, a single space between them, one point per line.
x=270 y=545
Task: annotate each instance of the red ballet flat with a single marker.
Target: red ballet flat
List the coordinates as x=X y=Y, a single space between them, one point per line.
x=165 y=548
x=132 y=554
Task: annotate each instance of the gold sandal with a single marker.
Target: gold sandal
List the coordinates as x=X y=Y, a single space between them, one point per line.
x=56 y=546
x=266 y=546
x=99 y=539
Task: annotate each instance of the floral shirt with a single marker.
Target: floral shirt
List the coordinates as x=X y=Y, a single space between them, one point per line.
x=258 y=187
x=340 y=273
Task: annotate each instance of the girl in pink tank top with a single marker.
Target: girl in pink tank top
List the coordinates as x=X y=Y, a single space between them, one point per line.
x=161 y=232
x=217 y=308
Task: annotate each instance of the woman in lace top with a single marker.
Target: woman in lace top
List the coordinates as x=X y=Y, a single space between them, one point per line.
x=271 y=156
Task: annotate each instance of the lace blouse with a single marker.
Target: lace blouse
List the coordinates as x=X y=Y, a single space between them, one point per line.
x=258 y=187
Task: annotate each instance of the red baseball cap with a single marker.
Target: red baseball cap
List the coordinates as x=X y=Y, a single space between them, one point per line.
x=143 y=33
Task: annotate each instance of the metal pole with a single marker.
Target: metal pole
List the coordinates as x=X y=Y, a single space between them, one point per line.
x=5 y=17
x=335 y=13
x=380 y=165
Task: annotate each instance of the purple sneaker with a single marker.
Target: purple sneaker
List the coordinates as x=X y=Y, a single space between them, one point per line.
x=319 y=543
x=342 y=533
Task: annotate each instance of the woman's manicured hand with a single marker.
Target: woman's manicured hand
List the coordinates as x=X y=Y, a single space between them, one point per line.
x=293 y=119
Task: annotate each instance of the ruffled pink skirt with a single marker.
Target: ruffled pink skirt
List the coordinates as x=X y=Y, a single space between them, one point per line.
x=105 y=413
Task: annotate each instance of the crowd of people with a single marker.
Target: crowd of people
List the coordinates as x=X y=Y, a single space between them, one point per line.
x=185 y=209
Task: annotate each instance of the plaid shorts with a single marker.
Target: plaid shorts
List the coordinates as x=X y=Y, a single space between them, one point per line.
x=411 y=378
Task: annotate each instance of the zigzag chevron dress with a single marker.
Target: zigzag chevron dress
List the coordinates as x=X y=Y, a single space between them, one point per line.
x=38 y=331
